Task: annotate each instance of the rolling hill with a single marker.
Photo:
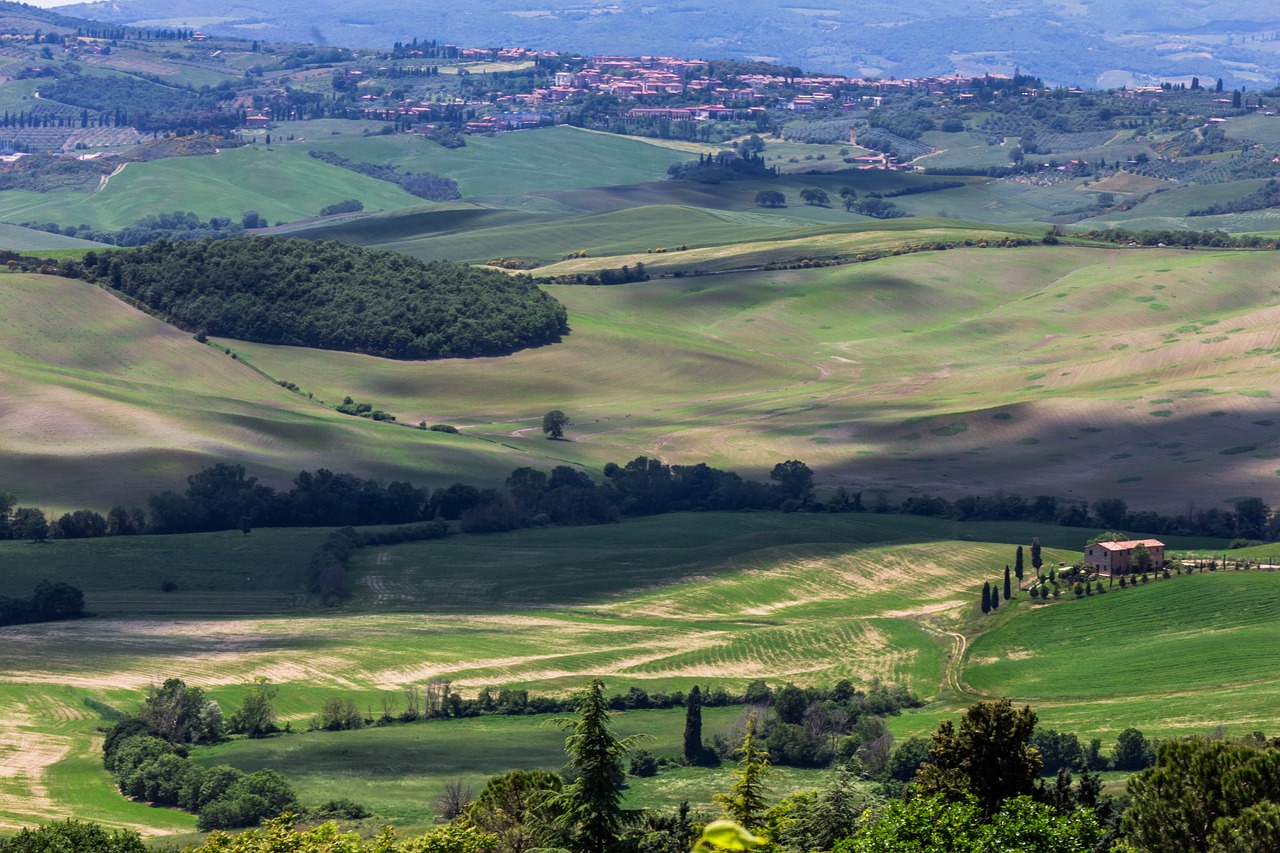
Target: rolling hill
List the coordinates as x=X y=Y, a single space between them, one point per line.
x=1082 y=373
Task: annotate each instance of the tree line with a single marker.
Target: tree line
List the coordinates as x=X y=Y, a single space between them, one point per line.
x=1248 y=517
x=426 y=185
x=330 y=296
x=177 y=225
x=1186 y=239
x=226 y=497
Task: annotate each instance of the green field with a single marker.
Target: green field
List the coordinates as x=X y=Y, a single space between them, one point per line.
x=1082 y=373
x=106 y=405
x=398 y=770
x=664 y=603
x=1027 y=369
x=1179 y=656
x=30 y=240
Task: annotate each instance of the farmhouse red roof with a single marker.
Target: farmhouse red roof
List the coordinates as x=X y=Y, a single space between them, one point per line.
x=1130 y=544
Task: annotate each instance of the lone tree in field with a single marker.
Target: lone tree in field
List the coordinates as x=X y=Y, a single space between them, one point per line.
x=986 y=596
x=1036 y=562
x=693 y=726
x=554 y=422
x=990 y=757
x=770 y=198
x=592 y=803
x=794 y=479
x=814 y=196
x=1017 y=564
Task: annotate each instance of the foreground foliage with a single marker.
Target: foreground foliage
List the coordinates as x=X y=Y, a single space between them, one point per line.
x=934 y=825
x=73 y=835
x=331 y=296
x=1208 y=796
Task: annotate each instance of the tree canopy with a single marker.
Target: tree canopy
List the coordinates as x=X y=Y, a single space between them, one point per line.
x=990 y=758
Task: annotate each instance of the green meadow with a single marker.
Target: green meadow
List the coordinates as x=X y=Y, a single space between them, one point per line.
x=1082 y=372
x=662 y=603
x=106 y=406
x=1062 y=370
x=1078 y=372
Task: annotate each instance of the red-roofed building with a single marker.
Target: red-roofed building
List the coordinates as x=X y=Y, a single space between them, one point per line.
x=1111 y=558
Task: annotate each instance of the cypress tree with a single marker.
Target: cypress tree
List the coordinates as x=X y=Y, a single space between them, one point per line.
x=986 y=596
x=1008 y=594
x=1036 y=562
x=995 y=598
x=1017 y=563
x=693 y=726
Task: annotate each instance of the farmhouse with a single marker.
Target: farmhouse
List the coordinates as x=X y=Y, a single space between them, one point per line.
x=1110 y=558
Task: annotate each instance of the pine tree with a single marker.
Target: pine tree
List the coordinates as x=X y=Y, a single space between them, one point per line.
x=1017 y=564
x=592 y=803
x=1008 y=593
x=693 y=726
x=986 y=596
x=745 y=801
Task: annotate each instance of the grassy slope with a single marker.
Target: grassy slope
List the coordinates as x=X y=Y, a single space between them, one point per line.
x=1176 y=656
x=281 y=183
x=1070 y=371
x=105 y=405
x=513 y=163
x=764 y=596
x=29 y=240
x=671 y=601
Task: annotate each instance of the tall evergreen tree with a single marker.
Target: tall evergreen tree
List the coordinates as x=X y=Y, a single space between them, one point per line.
x=1008 y=591
x=986 y=596
x=1017 y=563
x=1036 y=562
x=592 y=803
x=693 y=726
x=745 y=801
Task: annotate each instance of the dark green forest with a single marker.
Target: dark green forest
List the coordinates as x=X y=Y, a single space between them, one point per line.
x=331 y=296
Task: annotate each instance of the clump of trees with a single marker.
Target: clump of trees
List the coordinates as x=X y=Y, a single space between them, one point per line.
x=52 y=601
x=350 y=205
x=146 y=754
x=426 y=185
x=331 y=296
x=72 y=834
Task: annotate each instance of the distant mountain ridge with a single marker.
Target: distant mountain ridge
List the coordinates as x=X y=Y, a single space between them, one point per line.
x=1097 y=43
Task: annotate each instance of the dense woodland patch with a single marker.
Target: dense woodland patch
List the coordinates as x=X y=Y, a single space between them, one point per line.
x=330 y=296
